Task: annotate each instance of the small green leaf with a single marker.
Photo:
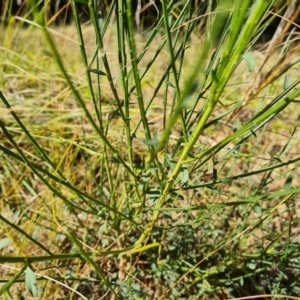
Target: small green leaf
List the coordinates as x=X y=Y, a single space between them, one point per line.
x=241 y=281
x=98 y=72
x=214 y=76
x=251 y=266
x=170 y=161
x=184 y=175
x=152 y=142
x=236 y=125
x=30 y=281
x=153 y=193
x=145 y=177
x=114 y=113
x=115 y=160
x=167 y=215
x=47 y=53
x=170 y=84
x=250 y=60
x=177 y=196
x=16 y=215
x=286 y=82
x=212 y=189
x=171 y=247
x=257 y=209
x=277 y=158
x=4 y=242
x=180 y=140
x=288 y=182
x=100 y=19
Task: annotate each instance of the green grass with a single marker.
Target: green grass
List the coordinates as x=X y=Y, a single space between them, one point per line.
x=160 y=165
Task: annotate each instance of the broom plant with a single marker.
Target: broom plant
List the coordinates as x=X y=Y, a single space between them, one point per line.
x=166 y=179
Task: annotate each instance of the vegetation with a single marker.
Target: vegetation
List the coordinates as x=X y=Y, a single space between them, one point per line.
x=159 y=165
